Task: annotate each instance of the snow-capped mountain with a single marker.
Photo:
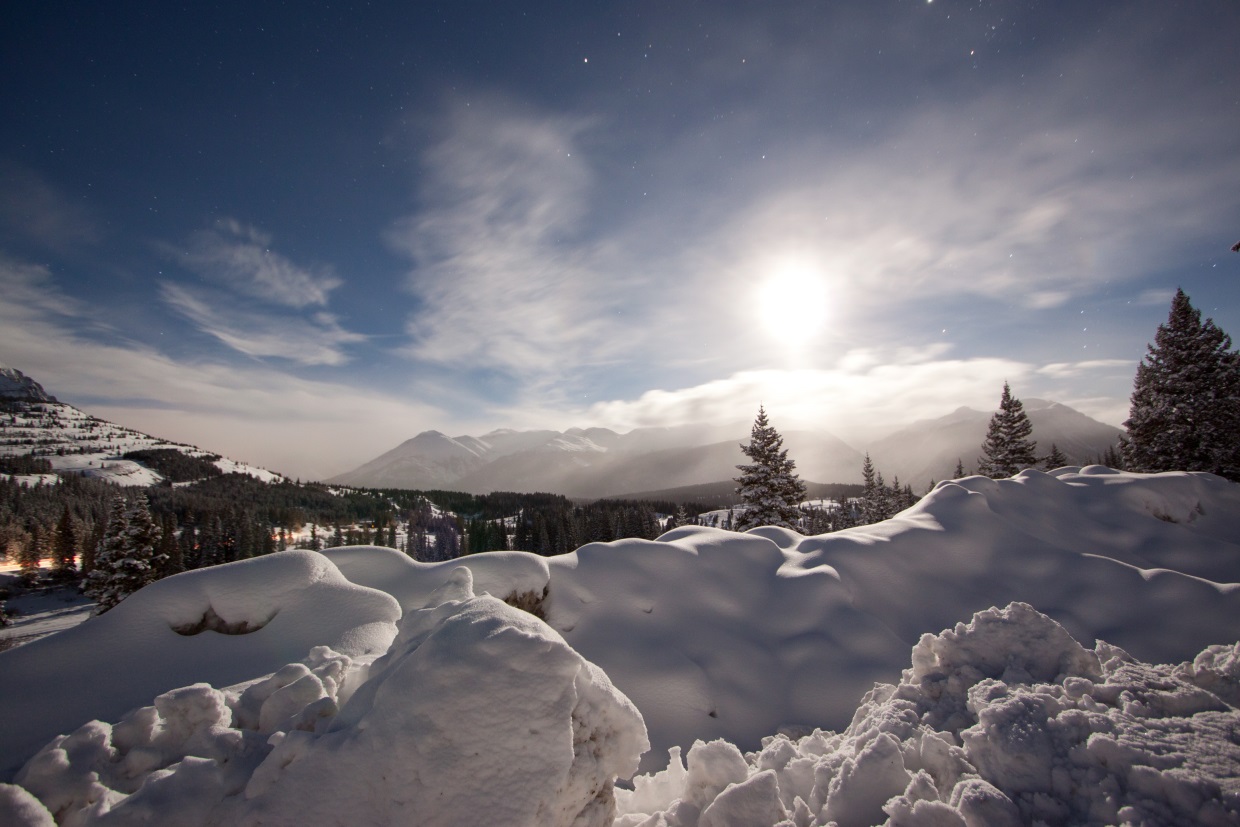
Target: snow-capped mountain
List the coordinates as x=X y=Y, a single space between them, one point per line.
x=598 y=462
x=17 y=386
x=34 y=423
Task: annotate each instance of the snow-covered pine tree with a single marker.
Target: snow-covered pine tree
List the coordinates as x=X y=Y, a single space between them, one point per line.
x=1007 y=448
x=769 y=487
x=1185 y=413
x=127 y=558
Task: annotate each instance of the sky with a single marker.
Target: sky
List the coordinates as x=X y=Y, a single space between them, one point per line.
x=299 y=234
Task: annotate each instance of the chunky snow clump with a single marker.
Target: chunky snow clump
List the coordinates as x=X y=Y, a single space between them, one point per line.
x=1004 y=721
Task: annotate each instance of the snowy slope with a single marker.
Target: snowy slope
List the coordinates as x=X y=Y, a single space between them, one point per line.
x=75 y=442
x=719 y=635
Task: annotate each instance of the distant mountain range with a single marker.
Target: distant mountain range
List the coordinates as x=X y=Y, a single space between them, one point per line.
x=589 y=463
x=598 y=462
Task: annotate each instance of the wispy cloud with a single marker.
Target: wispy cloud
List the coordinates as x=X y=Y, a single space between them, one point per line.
x=1068 y=370
x=28 y=293
x=244 y=273
x=240 y=256
x=317 y=340
x=501 y=274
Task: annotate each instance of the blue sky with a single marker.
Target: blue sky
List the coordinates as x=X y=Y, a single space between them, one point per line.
x=299 y=234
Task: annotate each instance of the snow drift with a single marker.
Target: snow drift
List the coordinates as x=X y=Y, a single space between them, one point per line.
x=715 y=634
x=715 y=637
x=221 y=625
x=477 y=708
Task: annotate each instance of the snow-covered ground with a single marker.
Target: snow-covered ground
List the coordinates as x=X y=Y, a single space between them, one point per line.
x=751 y=658
x=40 y=613
x=75 y=442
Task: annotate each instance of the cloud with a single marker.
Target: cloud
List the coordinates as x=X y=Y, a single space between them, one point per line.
x=38 y=211
x=28 y=292
x=318 y=340
x=1070 y=370
x=868 y=393
x=253 y=297
x=240 y=256
x=864 y=396
x=502 y=277
x=1156 y=298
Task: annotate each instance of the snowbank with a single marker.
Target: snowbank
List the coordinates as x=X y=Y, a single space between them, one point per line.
x=502 y=574
x=1004 y=721
x=726 y=638
x=715 y=634
x=220 y=625
x=479 y=713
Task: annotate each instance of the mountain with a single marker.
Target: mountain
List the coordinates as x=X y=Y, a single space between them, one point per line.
x=34 y=424
x=17 y=386
x=929 y=449
x=597 y=462
x=431 y=460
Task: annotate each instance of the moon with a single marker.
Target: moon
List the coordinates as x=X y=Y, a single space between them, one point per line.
x=792 y=302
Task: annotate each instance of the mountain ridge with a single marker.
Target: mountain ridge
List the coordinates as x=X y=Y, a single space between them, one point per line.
x=599 y=462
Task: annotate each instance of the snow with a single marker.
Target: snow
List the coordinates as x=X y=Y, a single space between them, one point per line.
x=36 y=614
x=1004 y=721
x=289 y=602
x=753 y=660
x=477 y=707
x=76 y=443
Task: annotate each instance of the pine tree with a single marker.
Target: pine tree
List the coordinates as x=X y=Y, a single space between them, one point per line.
x=1055 y=459
x=1185 y=413
x=1007 y=448
x=870 y=507
x=30 y=552
x=959 y=472
x=127 y=559
x=64 y=548
x=768 y=486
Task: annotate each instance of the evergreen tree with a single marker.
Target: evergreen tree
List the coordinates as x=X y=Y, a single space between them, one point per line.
x=769 y=487
x=1185 y=413
x=959 y=472
x=128 y=558
x=64 y=548
x=1055 y=459
x=1007 y=448
x=30 y=551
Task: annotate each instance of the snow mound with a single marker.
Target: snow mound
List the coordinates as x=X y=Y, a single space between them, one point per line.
x=1004 y=721
x=479 y=713
x=502 y=574
x=221 y=625
x=717 y=634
